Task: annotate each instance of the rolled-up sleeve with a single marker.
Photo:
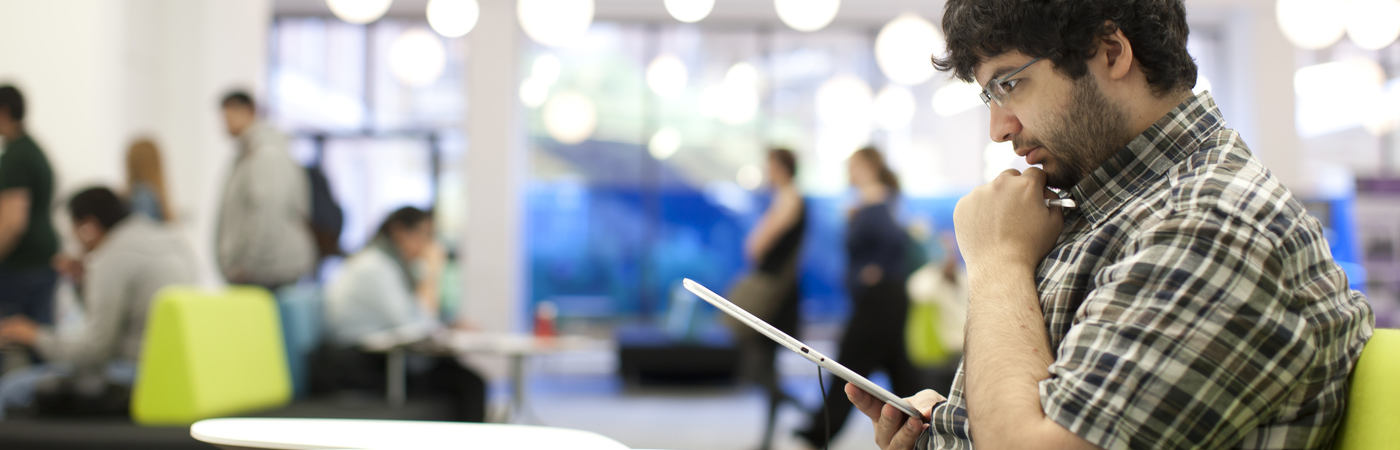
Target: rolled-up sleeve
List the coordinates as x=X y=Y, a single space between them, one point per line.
x=108 y=285
x=1185 y=342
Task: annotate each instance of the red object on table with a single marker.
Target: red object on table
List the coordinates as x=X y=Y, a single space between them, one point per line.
x=545 y=315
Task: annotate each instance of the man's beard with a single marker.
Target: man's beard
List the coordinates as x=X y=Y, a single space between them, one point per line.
x=1090 y=131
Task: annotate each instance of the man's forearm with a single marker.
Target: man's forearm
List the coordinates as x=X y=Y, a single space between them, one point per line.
x=1007 y=356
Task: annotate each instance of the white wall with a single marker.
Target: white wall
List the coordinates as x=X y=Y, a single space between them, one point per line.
x=97 y=73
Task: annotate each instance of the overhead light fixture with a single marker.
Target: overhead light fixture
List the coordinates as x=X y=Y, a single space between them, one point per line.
x=807 y=15
x=750 y=177
x=546 y=68
x=844 y=107
x=737 y=99
x=570 y=118
x=894 y=107
x=359 y=12
x=533 y=92
x=844 y=99
x=555 y=23
x=666 y=75
x=453 y=18
x=665 y=143
x=904 y=47
x=1373 y=24
x=1310 y=24
x=1382 y=113
x=1336 y=96
x=416 y=58
x=689 y=11
x=955 y=98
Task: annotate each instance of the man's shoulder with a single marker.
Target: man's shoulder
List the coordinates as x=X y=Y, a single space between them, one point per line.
x=370 y=261
x=23 y=150
x=23 y=164
x=138 y=237
x=1222 y=180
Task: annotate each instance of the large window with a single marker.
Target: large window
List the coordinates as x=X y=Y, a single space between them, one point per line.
x=383 y=142
x=667 y=183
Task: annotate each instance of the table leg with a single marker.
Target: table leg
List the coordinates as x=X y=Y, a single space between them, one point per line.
x=395 y=372
x=517 y=385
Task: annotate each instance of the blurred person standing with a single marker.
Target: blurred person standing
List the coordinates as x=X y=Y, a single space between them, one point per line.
x=392 y=286
x=263 y=236
x=28 y=242
x=876 y=249
x=129 y=258
x=774 y=247
x=145 y=181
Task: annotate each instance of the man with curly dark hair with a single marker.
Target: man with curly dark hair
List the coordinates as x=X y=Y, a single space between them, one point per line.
x=1187 y=301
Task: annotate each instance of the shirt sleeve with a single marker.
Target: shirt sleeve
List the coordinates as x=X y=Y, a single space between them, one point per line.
x=388 y=296
x=1185 y=343
x=14 y=170
x=97 y=342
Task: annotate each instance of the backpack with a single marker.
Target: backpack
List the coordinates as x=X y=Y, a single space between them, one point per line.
x=327 y=218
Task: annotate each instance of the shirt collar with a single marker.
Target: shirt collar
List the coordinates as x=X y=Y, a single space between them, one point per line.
x=1147 y=158
x=252 y=134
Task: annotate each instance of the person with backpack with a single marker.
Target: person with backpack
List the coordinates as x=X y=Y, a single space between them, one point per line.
x=262 y=235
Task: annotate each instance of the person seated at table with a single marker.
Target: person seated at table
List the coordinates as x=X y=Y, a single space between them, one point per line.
x=392 y=285
x=129 y=257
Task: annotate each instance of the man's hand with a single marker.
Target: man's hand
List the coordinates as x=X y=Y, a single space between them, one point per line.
x=894 y=429
x=19 y=329
x=69 y=266
x=871 y=275
x=1005 y=223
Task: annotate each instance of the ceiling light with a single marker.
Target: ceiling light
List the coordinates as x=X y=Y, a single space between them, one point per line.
x=807 y=15
x=359 y=12
x=689 y=11
x=555 y=23
x=453 y=18
x=666 y=75
x=1310 y=24
x=416 y=58
x=570 y=118
x=904 y=47
x=894 y=107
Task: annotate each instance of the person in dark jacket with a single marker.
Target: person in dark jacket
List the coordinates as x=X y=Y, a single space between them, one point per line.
x=875 y=277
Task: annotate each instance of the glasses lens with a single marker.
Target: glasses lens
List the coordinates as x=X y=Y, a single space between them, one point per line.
x=998 y=92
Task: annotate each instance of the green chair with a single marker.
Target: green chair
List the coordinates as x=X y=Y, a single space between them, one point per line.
x=210 y=354
x=1373 y=401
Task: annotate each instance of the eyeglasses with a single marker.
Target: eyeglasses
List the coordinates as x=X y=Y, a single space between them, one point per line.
x=1000 y=87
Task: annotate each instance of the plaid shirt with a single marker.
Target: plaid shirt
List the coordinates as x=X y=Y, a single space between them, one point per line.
x=1191 y=302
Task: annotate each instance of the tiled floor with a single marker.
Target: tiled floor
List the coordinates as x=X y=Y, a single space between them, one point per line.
x=676 y=417
x=581 y=392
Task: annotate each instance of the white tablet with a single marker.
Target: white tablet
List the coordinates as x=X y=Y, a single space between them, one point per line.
x=802 y=349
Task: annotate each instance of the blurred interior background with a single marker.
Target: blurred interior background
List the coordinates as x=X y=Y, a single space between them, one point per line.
x=591 y=153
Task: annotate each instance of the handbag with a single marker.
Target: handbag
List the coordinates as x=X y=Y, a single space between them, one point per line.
x=937 y=313
x=760 y=294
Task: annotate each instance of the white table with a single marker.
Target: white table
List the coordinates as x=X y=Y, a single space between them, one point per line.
x=515 y=346
x=244 y=433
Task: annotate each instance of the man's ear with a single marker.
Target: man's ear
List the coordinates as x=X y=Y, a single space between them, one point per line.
x=1117 y=51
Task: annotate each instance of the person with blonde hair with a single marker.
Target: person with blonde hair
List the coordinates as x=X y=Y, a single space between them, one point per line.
x=145 y=181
